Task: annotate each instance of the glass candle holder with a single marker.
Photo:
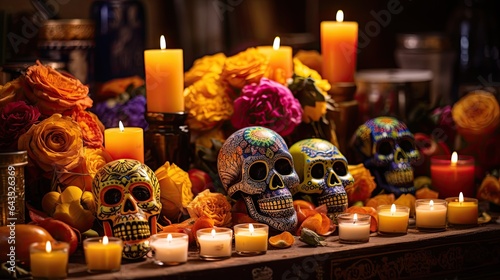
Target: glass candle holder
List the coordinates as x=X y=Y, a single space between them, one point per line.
x=103 y=254
x=49 y=260
x=450 y=179
x=462 y=211
x=169 y=248
x=215 y=243
x=430 y=214
x=393 y=219
x=354 y=228
x=251 y=239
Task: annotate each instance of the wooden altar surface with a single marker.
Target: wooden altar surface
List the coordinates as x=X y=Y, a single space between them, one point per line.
x=472 y=253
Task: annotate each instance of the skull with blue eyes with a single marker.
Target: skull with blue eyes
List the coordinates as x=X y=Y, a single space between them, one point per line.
x=127 y=193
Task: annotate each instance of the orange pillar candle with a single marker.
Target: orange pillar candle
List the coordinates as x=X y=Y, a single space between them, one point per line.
x=451 y=176
x=164 y=79
x=339 y=42
x=125 y=142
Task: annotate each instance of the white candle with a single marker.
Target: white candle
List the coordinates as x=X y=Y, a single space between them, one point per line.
x=170 y=249
x=251 y=239
x=354 y=228
x=430 y=214
x=215 y=243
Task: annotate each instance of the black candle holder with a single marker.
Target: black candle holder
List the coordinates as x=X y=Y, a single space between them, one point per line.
x=167 y=139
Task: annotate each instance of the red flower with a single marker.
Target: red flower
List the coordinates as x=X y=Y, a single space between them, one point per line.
x=15 y=119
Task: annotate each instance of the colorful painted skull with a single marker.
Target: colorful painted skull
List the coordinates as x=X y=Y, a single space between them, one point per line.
x=389 y=151
x=127 y=193
x=255 y=165
x=323 y=173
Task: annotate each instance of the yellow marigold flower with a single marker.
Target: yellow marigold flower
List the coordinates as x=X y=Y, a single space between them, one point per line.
x=364 y=184
x=244 y=68
x=302 y=70
x=203 y=66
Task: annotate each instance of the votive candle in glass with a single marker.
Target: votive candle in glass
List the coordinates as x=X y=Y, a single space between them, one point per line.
x=451 y=175
x=103 y=254
x=251 y=238
x=354 y=228
x=49 y=260
x=462 y=211
x=215 y=243
x=430 y=214
x=393 y=219
x=169 y=248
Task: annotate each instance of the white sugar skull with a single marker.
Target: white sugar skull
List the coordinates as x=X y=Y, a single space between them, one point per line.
x=323 y=172
x=127 y=193
x=389 y=151
x=254 y=165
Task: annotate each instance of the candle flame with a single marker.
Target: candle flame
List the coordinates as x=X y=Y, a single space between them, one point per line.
x=48 y=247
x=393 y=209
x=169 y=238
x=105 y=240
x=250 y=229
x=276 y=43
x=454 y=159
x=163 y=42
x=213 y=233
x=120 y=124
x=355 y=218
x=340 y=16
x=461 y=197
x=431 y=204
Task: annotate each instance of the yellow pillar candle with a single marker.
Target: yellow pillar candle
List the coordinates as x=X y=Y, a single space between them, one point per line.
x=430 y=215
x=125 y=142
x=462 y=211
x=393 y=219
x=251 y=239
x=164 y=79
x=280 y=64
x=103 y=254
x=49 y=260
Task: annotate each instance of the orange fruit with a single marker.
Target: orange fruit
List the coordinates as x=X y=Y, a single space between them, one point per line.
x=282 y=240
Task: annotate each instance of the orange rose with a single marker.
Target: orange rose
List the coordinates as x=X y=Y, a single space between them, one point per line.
x=54 y=92
x=91 y=129
x=244 y=68
x=363 y=186
x=54 y=144
x=212 y=205
x=205 y=65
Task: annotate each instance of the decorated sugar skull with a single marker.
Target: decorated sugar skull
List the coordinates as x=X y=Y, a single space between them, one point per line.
x=388 y=150
x=255 y=165
x=323 y=173
x=127 y=193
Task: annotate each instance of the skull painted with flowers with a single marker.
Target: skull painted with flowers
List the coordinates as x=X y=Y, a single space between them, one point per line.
x=127 y=193
x=323 y=172
x=389 y=152
x=254 y=165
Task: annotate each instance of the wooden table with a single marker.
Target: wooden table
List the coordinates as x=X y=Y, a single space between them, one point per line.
x=472 y=253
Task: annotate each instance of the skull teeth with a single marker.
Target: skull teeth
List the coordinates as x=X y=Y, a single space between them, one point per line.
x=273 y=204
x=130 y=231
x=335 y=203
x=399 y=177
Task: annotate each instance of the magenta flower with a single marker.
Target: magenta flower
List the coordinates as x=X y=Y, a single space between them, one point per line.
x=268 y=104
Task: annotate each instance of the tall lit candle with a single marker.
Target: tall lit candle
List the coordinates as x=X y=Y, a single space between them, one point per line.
x=393 y=219
x=251 y=239
x=164 y=79
x=339 y=42
x=103 y=254
x=48 y=260
x=280 y=65
x=125 y=142
x=453 y=175
x=430 y=215
x=462 y=211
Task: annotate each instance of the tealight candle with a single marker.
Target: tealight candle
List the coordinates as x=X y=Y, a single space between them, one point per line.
x=251 y=239
x=354 y=228
x=125 y=142
x=169 y=248
x=430 y=215
x=49 y=260
x=103 y=254
x=453 y=175
x=462 y=211
x=393 y=219
x=215 y=243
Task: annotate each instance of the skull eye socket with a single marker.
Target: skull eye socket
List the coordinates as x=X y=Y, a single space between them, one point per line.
x=141 y=193
x=318 y=171
x=258 y=171
x=407 y=145
x=385 y=147
x=283 y=166
x=112 y=196
x=340 y=168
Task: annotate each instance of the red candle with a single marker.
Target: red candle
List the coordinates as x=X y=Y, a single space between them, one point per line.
x=339 y=42
x=452 y=176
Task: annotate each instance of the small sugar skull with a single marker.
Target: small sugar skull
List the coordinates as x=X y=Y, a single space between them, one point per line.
x=388 y=150
x=323 y=173
x=254 y=165
x=127 y=193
